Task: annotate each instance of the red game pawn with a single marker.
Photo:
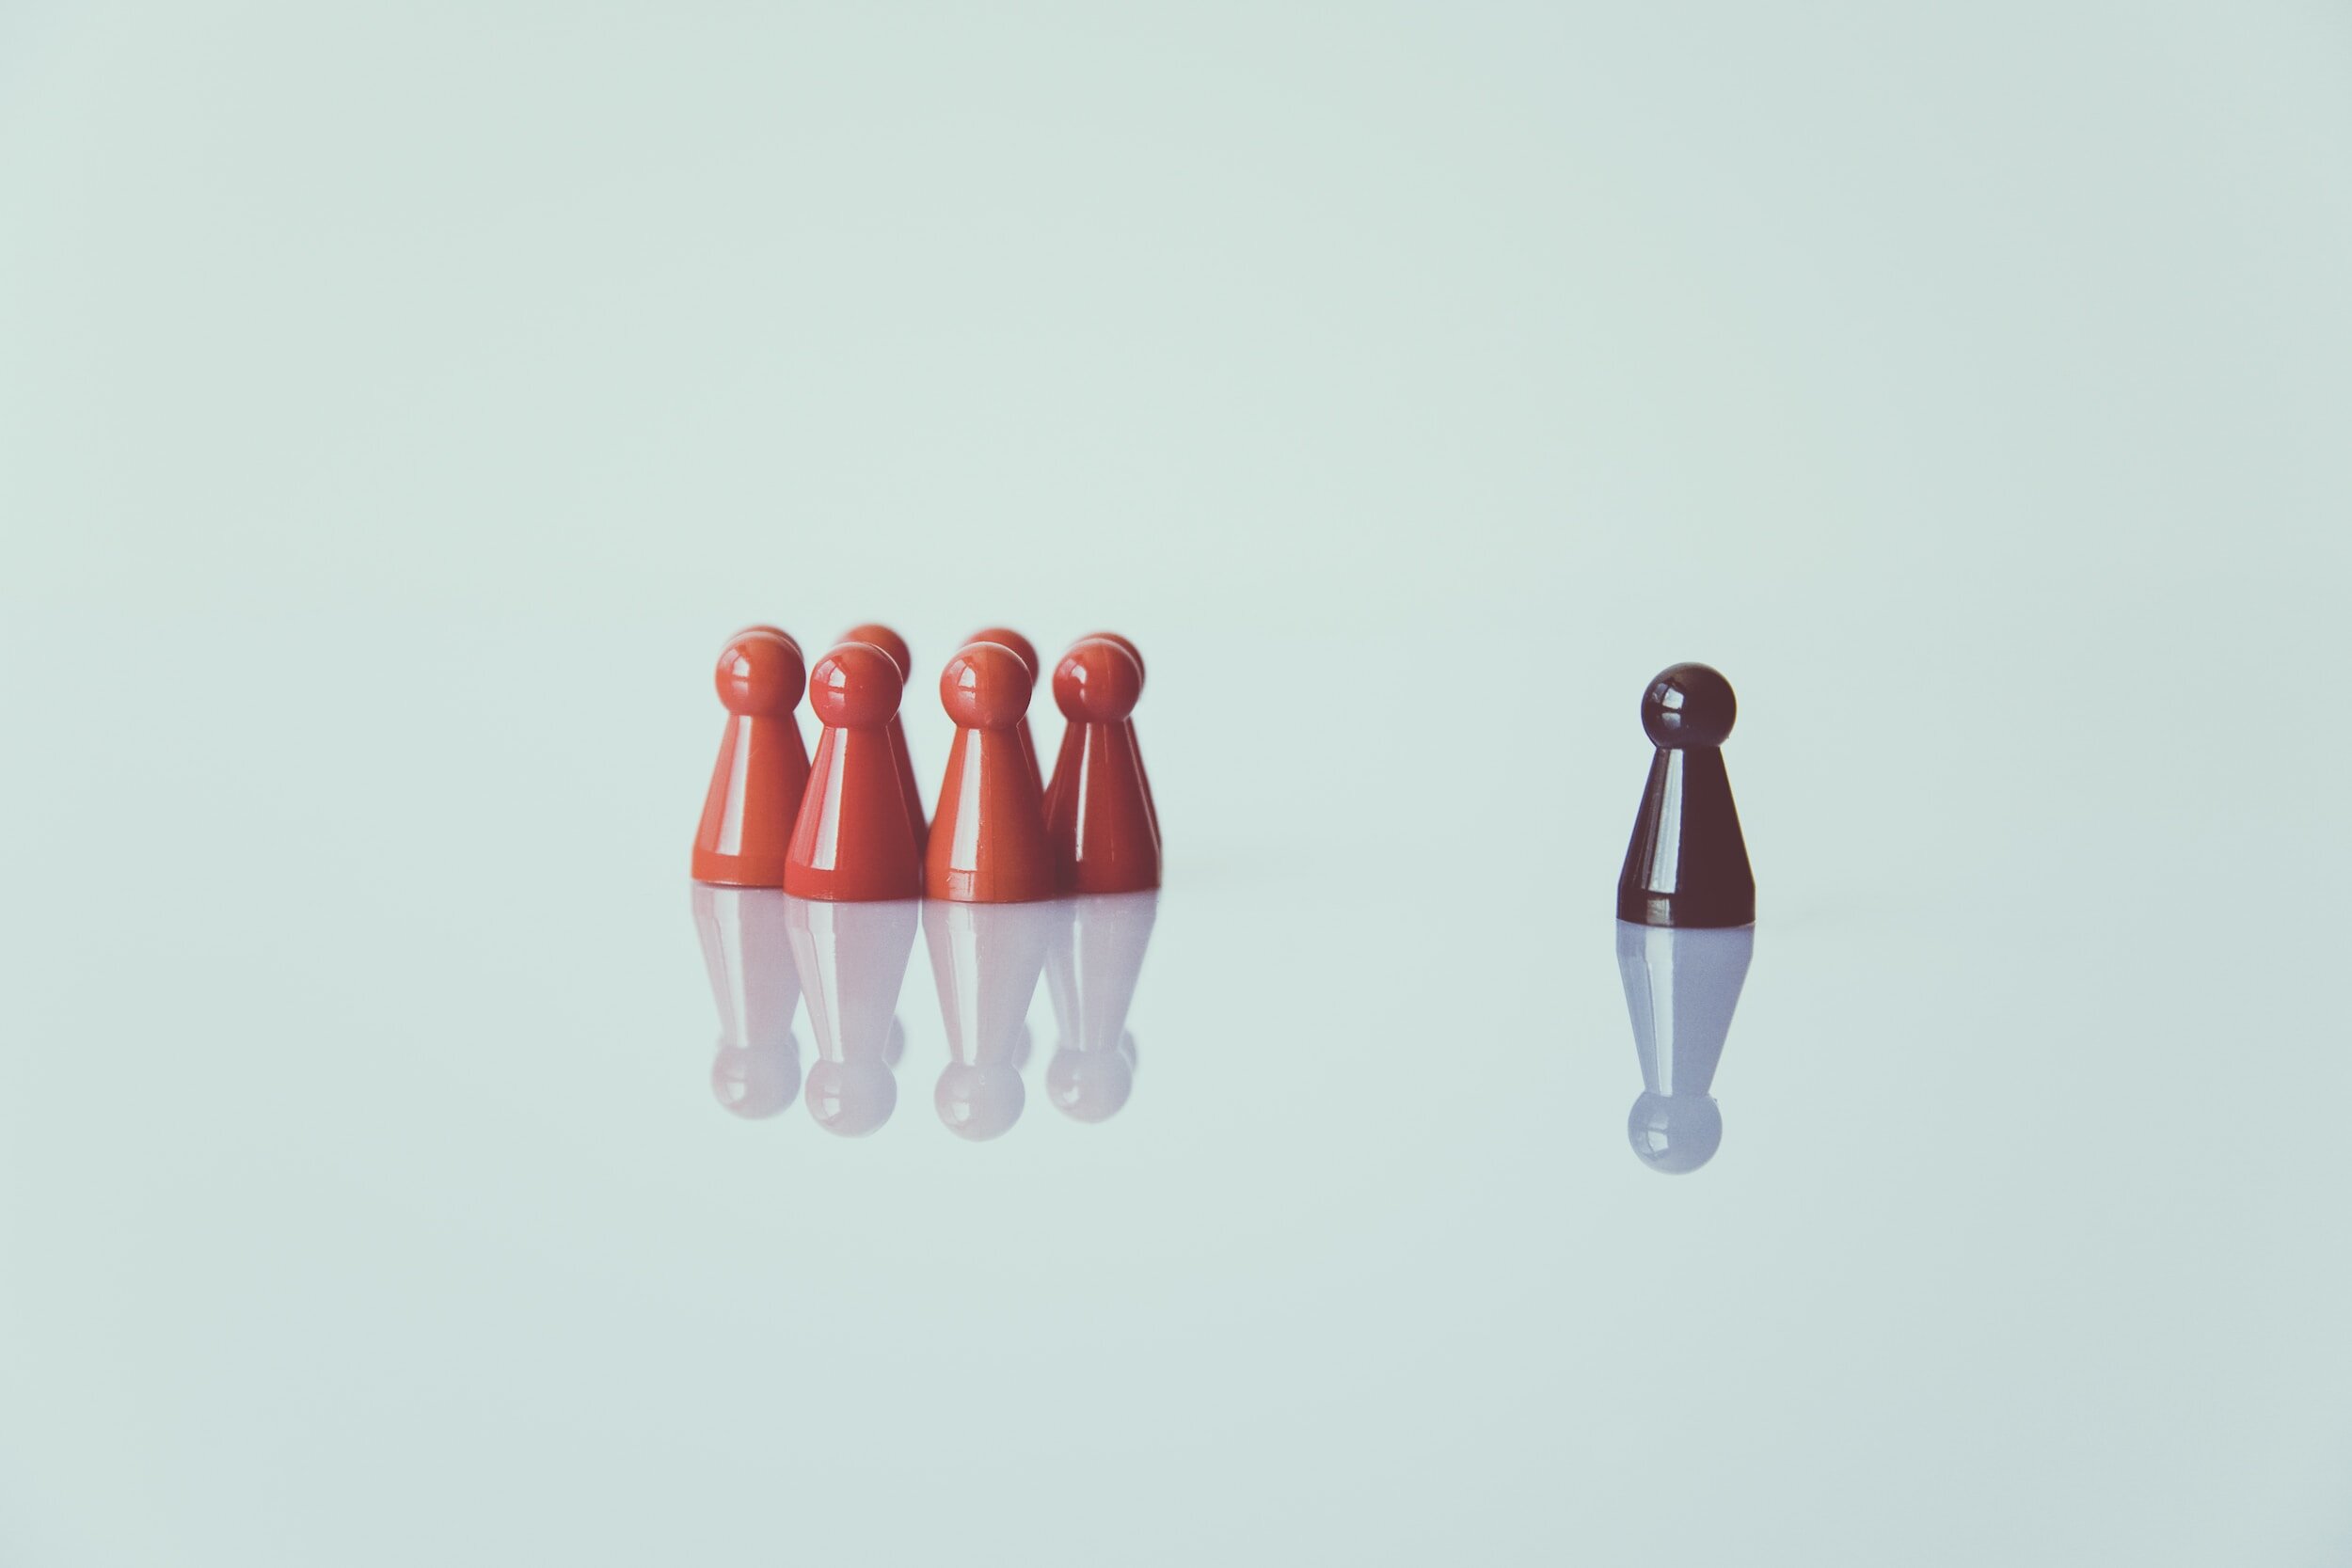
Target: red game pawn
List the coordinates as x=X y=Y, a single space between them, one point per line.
x=1098 y=814
x=755 y=787
x=1127 y=642
x=895 y=646
x=1028 y=650
x=1136 y=654
x=779 y=631
x=851 y=841
x=989 y=844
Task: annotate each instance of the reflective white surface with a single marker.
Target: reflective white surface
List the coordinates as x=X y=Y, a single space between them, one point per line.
x=398 y=404
x=1681 y=989
x=325 y=1194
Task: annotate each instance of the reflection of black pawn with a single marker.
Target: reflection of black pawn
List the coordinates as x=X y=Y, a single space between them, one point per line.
x=1687 y=864
x=986 y=958
x=1682 y=986
x=1091 y=975
x=852 y=959
x=756 y=986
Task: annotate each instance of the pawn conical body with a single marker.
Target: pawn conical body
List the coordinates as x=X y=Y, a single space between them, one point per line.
x=1104 y=831
x=755 y=790
x=917 y=829
x=1687 y=863
x=851 y=841
x=989 y=846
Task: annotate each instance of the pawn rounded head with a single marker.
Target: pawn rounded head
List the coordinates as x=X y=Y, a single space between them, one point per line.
x=1009 y=638
x=1688 y=704
x=1098 y=682
x=852 y=1098
x=856 y=686
x=759 y=673
x=772 y=631
x=1675 y=1134
x=979 y=1100
x=985 y=687
x=1132 y=652
x=887 y=640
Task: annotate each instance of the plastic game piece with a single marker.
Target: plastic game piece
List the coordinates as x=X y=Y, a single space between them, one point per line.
x=989 y=844
x=771 y=632
x=986 y=958
x=757 y=988
x=756 y=784
x=1682 y=986
x=850 y=840
x=1136 y=654
x=1127 y=642
x=895 y=646
x=1091 y=972
x=1007 y=637
x=1098 y=814
x=1687 y=863
x=854 y=958
x=1028 y=650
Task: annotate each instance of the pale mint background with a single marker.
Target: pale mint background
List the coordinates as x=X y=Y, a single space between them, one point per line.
x=398 y=401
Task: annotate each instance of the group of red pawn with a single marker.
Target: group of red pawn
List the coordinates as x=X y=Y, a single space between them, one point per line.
x=850 y=825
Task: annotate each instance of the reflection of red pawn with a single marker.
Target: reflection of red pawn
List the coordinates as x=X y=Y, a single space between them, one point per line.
x=1099 y=806
x=1091 y=972
x=757 y=987
x=851 y=841
x=989 y=844
x=1028 y=650
x=755 y=787
x=895 y=646
x=852 y=959
x=986 y=958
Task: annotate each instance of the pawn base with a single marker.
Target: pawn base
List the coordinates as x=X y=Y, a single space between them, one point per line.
x=1684 y=910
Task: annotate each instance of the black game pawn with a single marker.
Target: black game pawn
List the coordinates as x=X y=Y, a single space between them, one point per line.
x=1687 y=864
